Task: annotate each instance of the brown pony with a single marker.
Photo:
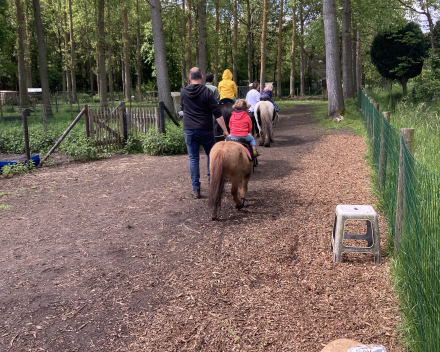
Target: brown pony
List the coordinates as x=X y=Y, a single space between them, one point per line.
x=228 y=160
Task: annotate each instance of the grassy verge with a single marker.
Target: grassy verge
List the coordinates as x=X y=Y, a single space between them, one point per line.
x=423 y=117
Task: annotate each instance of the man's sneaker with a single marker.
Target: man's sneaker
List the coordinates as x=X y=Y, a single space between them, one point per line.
x=196 y=193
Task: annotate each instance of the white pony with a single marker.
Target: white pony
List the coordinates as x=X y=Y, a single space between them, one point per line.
x=266 y=114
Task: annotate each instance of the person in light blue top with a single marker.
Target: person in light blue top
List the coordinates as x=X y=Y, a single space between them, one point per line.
x=252 y=98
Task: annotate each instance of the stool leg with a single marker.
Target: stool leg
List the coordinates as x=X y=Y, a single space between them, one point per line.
x=338 y=238
x=369 y=234
x=377 y=259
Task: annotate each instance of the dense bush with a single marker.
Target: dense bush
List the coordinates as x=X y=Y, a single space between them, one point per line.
x=173 y=142
x=426 y=86
x=78 y=147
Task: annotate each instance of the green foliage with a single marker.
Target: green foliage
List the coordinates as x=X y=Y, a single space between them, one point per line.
x=79 y=148
x=398 y=52
x=173 y=142
x=9 y=171
x=426 y=86
x=132 y=146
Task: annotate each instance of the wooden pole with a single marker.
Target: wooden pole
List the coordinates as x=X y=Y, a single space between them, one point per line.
x=86 y=113
x=26 y=134
x=408 y=139
x=383 y=152
x=162 y=117
x=63 y=136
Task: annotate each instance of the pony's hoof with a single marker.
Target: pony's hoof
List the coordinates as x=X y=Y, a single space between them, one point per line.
x=267 y=146
x=261 y=143
x=240 y=206
x=214 y=218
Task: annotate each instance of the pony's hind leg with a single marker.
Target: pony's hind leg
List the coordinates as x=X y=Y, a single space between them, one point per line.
x=244 y=187
x=234 y=191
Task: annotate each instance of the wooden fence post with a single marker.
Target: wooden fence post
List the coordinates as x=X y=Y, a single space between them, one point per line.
x=162 y=116
x=408 y=137
x=383 y=152
x=86 y=115
x=124 y=121
x=26 y=134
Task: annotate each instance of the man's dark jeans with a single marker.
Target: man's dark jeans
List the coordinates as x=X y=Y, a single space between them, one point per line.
x=194 y=139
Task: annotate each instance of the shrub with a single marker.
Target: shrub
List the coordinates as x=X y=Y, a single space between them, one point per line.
x=19 y=168
x=173 y=142
x=426 y=86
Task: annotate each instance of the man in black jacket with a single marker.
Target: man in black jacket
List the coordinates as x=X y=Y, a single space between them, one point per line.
x=199 y=105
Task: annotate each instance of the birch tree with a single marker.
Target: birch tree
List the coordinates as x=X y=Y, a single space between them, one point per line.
x=45 y=95
x=22 y=86
x=160 y=56
x=102 y=79
x=347 y=58
x=292 y=52
x=263 y=47
x=280 y=43
x=333 y=64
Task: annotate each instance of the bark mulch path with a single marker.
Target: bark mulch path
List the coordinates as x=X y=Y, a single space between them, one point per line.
x=114 y=255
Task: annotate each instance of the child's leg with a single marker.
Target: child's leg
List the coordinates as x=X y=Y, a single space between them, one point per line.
x=250 y=139
x=275 y=105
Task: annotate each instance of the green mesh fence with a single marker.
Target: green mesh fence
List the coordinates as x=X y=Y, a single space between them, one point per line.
x=417 y=265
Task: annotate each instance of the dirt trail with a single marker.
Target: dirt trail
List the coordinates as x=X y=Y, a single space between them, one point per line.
x=115 y=255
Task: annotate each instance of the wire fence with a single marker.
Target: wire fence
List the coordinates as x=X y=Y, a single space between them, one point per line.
x=411 y=198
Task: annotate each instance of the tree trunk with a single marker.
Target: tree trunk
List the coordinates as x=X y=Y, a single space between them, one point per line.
x=102 y=79
x=234 y=52
x=183 y=45
x=22 y=86
x=189 y=50
x=138 y=51
x=217 y=30
x=72 y=55
x=280 y=44
x=353 y=60
x=45 y=95
x=110 y=56
x=66 y=60
x=333 y=64
x=27 y=47
x=126 y=53
x=249 y=40
x=301 y=51
x=347 y=68
x=358 y=61
x=89 y=50
x=160 y=57
x=292 y=53
x=404 y=82
x=263 y=47
x=431 y=31
x=202 y=38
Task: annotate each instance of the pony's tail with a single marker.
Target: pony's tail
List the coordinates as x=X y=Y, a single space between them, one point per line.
x=217 y=182
x=268 y=127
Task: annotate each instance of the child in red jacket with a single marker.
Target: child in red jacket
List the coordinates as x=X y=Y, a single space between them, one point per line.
x=240 y=124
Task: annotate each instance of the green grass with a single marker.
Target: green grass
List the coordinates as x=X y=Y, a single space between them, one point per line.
x=4 y=207
x=425 y=120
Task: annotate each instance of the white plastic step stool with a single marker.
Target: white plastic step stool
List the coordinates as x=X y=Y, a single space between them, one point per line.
x=346 y=212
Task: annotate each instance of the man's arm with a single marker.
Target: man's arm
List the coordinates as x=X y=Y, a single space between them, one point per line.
x=221 y=122
x=213 y=106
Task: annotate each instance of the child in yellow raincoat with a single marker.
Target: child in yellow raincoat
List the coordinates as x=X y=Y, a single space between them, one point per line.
x=227 y=87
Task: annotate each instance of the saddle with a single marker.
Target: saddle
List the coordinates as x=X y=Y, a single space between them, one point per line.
x=244 y=143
